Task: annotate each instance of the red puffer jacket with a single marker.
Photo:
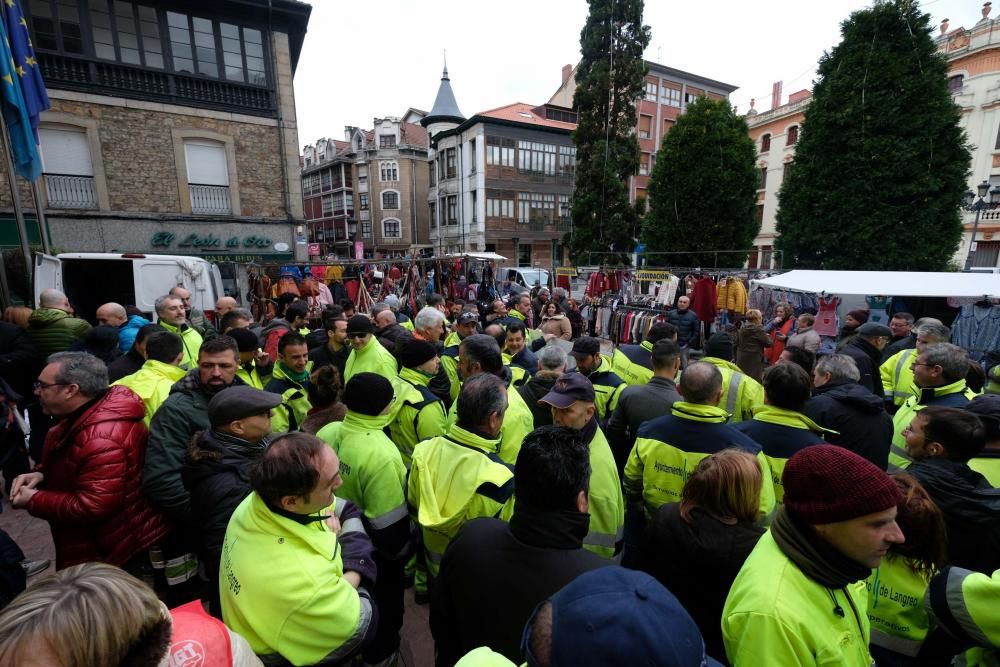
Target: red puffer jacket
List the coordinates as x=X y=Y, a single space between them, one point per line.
x=92 y=492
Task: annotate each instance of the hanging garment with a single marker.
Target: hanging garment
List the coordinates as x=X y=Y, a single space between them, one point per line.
x=977 y=329
x=826 y=319
x=878 y=309
x=704 y=299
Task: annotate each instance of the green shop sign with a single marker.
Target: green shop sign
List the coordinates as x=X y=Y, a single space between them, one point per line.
x=166 y=239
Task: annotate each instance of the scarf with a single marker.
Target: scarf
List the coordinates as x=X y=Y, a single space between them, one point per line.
x=240 y=447
x=301 y=378
x=818 y=560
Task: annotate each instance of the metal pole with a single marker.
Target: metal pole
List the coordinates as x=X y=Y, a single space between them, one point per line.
x=22 y=231
x=43 y=234
x=972 y=243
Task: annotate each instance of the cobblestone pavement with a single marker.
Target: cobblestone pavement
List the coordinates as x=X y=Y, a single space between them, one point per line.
x=34 y=538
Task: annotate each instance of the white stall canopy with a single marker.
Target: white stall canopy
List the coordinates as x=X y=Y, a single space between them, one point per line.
x=885 y=283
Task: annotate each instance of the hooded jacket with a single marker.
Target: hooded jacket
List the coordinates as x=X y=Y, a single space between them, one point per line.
x=698 y=562
x=152 y=384
x=741 y=394
x=964 y=603
x=372 y=358
x=127 y=364
x=282 y=579
x=533 y=390
x=971 y=508
x=638 y=404
x=608 y=388
x=128 y=331
x=374 y=478
x=295 y=405
x=781 y=433
x=191 y=340
x=776 y=615
x=92 y=491
x=270 y=334
x=633 y=363
x=518 y=420
x=216 y=475
x=856 y=418
x=896 y=375
x=184 y=413
x=455 y=478
x=607 y=505
x=668 y=448
x=954 y=395
x=867 y=358
x=419 y=414
x=53 y=330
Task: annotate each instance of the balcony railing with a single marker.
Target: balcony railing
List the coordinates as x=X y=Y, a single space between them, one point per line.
x=65 y=191
x=212 y=199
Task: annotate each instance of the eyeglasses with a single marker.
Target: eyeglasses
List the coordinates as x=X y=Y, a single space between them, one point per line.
x=45 y=385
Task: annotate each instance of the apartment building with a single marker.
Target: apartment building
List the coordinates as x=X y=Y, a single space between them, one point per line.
x=172 y=127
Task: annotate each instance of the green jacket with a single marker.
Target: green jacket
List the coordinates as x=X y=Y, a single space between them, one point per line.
x=965 y=603
x=374 y=477
x=629 y=371
x=53 y=330
x=896 y=606
x=152 y=384
x=184 y=413
x=518 y=421
x=420 y=414
x=372 y=358
x=667 y=449
x=190 y=338
x=987 y=464
x=252 y=376
x=608 y=388
x=776 y=615
x=607 y=506
x=295 y=405
x=954 y=395
x=897 y=376
x=280 y=580
x=741 y=394
x=455 y=478
x=449 y=360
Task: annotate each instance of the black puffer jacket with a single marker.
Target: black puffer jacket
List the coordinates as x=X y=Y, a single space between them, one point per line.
x=534 y=389
x=215 y=473
x=867 y=358
x=858 y=417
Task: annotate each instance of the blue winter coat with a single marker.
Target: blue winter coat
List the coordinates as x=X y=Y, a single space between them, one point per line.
x=128 y=331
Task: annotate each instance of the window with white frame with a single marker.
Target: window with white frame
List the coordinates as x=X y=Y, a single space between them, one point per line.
x=363 y=201
x=327 y=205
x=670 y=96
x=391 y=229
x=651 y=91
x=208 y=176
x=536 y=157
x=499 y=152
x=499 y=204
x=390 y=199
x=67 y=167
x=366 y=230
x=453 y=210
x=388 y=171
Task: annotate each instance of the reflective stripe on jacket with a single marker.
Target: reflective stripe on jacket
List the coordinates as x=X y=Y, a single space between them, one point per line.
x=633 y=363
x=896 y=606
x=965 y=604
x=896 y=373
x=741 y=394
x=607 y=388
x=607 y=506
x=954 y=395
x=420 y=414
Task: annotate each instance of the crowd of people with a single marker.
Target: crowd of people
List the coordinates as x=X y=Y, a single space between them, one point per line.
x=231 y=492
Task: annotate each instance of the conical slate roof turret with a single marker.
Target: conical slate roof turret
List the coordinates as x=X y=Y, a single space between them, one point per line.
x=445 y=107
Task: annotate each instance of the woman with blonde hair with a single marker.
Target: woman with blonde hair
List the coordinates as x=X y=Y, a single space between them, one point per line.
x=97 y=615
x=896 y=588
x=696 y=547
x=750 y=343
x=781 y=328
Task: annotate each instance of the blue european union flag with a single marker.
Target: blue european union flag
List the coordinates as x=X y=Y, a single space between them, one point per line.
x=27 y=162
x=36 y=100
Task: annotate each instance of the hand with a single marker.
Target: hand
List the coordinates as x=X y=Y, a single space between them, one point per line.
x=333 y=523
x=353 y=578
x=262 y=358
x=28 y=480
x=777 y=320
x=23 y=496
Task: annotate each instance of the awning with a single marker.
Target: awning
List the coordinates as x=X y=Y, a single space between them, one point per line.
x=885 y=283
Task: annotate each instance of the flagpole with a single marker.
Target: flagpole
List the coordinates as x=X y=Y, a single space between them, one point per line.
x=22 y=231
x=43 y=234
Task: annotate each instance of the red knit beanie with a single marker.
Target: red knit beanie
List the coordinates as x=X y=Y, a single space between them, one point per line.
x=860 y=315
x=828 y=484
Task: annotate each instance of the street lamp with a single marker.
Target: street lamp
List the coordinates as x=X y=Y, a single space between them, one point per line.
x=971 y=203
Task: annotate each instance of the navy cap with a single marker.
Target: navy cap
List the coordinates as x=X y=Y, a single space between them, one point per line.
x=586 y=346
x=568 y=389
x=616 y=616
x=240 y=402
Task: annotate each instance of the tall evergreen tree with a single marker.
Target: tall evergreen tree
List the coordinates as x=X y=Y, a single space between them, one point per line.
x=703 y=189
x=609 y=80
x=881 y=162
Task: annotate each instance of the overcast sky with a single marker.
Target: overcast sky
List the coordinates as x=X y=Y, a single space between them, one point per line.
x=361 y=61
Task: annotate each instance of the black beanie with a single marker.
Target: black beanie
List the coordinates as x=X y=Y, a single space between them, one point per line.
x=361 y=324
x=415 y=352
x=368 y=394
x=720 y=346
x=246 y=340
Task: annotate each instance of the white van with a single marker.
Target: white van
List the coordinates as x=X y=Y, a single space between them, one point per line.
x=525 y=278
x=90 y=279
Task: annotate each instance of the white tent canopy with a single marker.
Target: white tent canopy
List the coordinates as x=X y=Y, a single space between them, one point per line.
x=885 y=283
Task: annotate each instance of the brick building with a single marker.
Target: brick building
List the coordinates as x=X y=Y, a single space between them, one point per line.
x=370 y=189
x=172 y=127
x=501 y=180
x=667 y=92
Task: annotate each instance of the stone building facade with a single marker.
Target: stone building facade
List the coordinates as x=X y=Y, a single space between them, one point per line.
x=172 y=128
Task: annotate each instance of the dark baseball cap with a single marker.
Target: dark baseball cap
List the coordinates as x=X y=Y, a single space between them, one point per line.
x=360 y=324
x=586 y=346
x=568 y=389
x=874 y=329
x=246 y=340
x=467 y=317
x=616 y=616
x=239 y=403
